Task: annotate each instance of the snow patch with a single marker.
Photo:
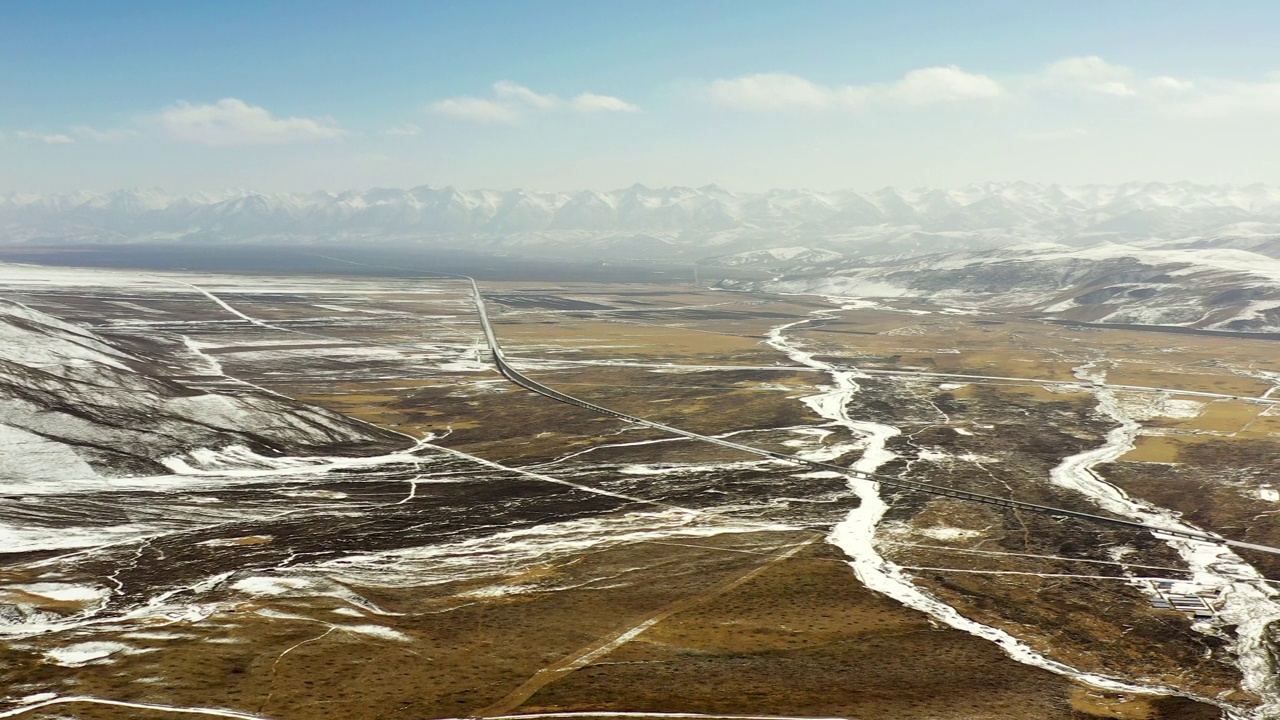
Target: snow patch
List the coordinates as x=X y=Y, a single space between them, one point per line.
x=378 y=631
x=947 y=533
x=271 y=586
x=63 y=592
x=83 y=653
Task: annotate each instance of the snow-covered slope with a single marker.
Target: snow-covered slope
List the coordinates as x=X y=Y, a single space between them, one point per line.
x=76 y=408
x=1213 y=288
x=788 y=256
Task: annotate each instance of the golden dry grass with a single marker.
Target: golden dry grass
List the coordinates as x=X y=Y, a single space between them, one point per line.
x=618 y=339
x=1225 y=416
x=1162 y=448
x=803 y=638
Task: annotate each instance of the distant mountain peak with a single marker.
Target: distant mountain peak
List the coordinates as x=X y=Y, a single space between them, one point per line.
x=695 y=221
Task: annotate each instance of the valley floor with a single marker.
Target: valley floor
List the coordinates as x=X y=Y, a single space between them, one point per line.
x=435 y=542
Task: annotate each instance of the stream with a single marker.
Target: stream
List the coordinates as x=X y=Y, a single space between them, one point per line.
x=1246 y=600
x=855 y=535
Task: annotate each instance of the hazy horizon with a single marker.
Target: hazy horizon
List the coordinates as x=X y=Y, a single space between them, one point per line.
x=335 y=191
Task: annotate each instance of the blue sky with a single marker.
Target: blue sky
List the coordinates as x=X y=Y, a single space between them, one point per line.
x=562 y=95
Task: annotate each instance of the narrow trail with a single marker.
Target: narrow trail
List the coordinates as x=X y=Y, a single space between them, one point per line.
x=662 y=715
x=584 y=656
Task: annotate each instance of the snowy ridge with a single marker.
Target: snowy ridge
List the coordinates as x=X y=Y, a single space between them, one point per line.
x=76 y=411
x=1141 y=283
x=680 y=220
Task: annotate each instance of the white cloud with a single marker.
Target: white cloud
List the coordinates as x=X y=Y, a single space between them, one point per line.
x=522 y=95
x=405 y=130
x=1208 y=98
x=487 y=112
x=512 y=103
x=1070 y=77
x=591 y=103
x=1090 y=74
x=234 y=122
x=79 y=132
x=943 y=84
x=88 y=133
x=774 y=91
x=1171 y=84
x=780 y=91
x=46 y=138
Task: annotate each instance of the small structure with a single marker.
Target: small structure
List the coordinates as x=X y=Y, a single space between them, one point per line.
x=1196 y=602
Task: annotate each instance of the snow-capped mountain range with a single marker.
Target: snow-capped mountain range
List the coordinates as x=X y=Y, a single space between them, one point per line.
x=686 y=223
x=1202 y=256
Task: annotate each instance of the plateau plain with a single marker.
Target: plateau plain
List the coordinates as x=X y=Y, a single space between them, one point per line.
x=312 y=494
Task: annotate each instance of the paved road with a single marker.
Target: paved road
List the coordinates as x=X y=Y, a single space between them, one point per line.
x=520 y=379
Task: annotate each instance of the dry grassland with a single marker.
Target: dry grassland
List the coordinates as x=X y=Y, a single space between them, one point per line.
x=1224 y=416
x=779 y=642
x=1164 y=448
x=800 y=638
x=785 y=644
x=611 y=340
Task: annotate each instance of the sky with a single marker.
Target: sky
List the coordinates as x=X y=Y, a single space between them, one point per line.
x=302 y=96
